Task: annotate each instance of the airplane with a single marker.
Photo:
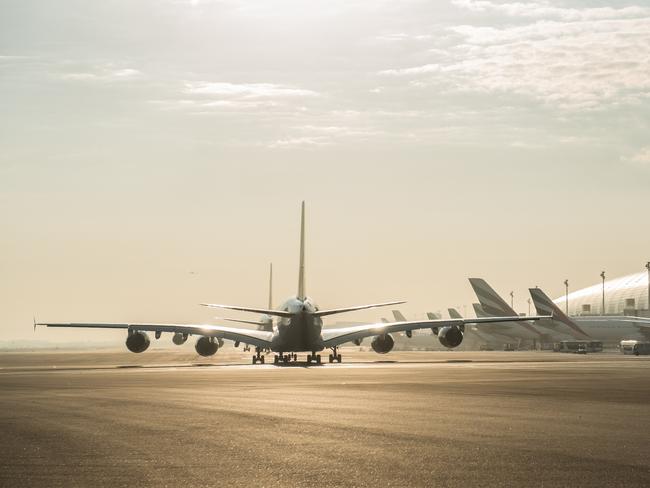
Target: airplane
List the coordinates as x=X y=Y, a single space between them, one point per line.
x=491 y=304
x=493 y=336
x=298 y=327
x=608 y=328
x=265 y=321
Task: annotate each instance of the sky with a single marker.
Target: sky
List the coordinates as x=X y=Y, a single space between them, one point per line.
x=154 y=154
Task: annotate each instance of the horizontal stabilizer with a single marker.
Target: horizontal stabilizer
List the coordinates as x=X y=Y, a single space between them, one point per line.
x=323 y=313
x=276 y=313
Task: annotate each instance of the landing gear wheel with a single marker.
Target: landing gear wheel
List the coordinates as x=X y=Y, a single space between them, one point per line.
x=338 y=358
x=331 y=358
x=276 y=359
x=262 y=359
x=254 y=359
x=318 y=359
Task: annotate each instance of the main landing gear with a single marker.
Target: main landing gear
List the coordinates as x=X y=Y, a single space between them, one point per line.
x=335 y=356
x=284 y=358
x=258 y=358
x=313 y=358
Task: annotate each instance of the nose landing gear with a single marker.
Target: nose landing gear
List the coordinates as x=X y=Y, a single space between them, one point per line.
x=313 y=358
x=284 y=358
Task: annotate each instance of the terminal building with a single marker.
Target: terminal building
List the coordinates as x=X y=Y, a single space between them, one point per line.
x=627 y=295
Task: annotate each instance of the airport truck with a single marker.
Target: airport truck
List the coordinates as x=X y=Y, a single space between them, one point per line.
x=636 y=348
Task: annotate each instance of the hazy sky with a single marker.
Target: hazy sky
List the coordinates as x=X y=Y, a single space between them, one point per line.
x=154 y=153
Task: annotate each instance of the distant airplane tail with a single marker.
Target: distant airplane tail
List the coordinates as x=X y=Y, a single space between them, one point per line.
x=454 y=314
x=545 y=306
x=399 y=317
x=491 y=302
x=271 y=286
x=478 y=310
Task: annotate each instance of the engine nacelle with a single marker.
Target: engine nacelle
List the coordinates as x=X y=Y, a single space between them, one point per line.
x=450 y=336
x=206 y=346
x=179 y=338
x=137 y=342
x=382 y=344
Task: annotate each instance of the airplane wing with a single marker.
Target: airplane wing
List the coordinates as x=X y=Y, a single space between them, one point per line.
x=254 y=337
x=335 y=337
x=276 y=313
x=323 y=313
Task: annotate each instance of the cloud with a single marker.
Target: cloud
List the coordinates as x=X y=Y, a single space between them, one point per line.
x=640 y=159
x=588 y=59
x=546 y=10
x=245 y=90
x=299 y=141
x=103 y=74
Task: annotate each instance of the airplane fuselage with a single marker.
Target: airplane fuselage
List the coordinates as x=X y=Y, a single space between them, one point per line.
x=302 y=331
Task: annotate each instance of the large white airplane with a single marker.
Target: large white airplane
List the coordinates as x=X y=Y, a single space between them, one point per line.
x=298 y=327
x=606 y=328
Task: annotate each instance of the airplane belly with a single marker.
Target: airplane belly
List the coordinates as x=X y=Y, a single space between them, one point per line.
x=299 y=335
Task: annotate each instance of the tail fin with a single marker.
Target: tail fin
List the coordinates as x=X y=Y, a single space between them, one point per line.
x=478 y=310
x=399 y=317
x=491 y=302
x=545 y=306
x=301 y=269
x=271 y=286
x=454 y=314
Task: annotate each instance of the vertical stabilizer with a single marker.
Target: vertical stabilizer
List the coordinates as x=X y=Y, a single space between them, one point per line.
x=491 y=303
x=271 y=286
x=454 y=314
x=399 y=317
x=301 y=268
x=545 y=306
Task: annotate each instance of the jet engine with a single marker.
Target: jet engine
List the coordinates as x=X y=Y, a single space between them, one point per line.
x=382 y=343
x=178 y=338
x=206 y=346
x=137 y=342
x=450 y=336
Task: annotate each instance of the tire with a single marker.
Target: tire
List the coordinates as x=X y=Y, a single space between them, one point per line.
x=331 y=358
x=318 y=359
x=275 y=359
x=338 y=358
x=309 y=358
x=262 y=359
x=254 y=360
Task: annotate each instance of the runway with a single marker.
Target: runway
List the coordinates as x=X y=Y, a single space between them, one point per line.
x=428 y=419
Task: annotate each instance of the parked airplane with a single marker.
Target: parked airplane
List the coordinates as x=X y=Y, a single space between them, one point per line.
x=298 y=328
x=488 y=336
x=605 y=328
x=493 y=305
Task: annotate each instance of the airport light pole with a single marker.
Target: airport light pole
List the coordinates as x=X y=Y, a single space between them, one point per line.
x=566 y=296
x=512 y=299
x=647 y=266
x=602 y=310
